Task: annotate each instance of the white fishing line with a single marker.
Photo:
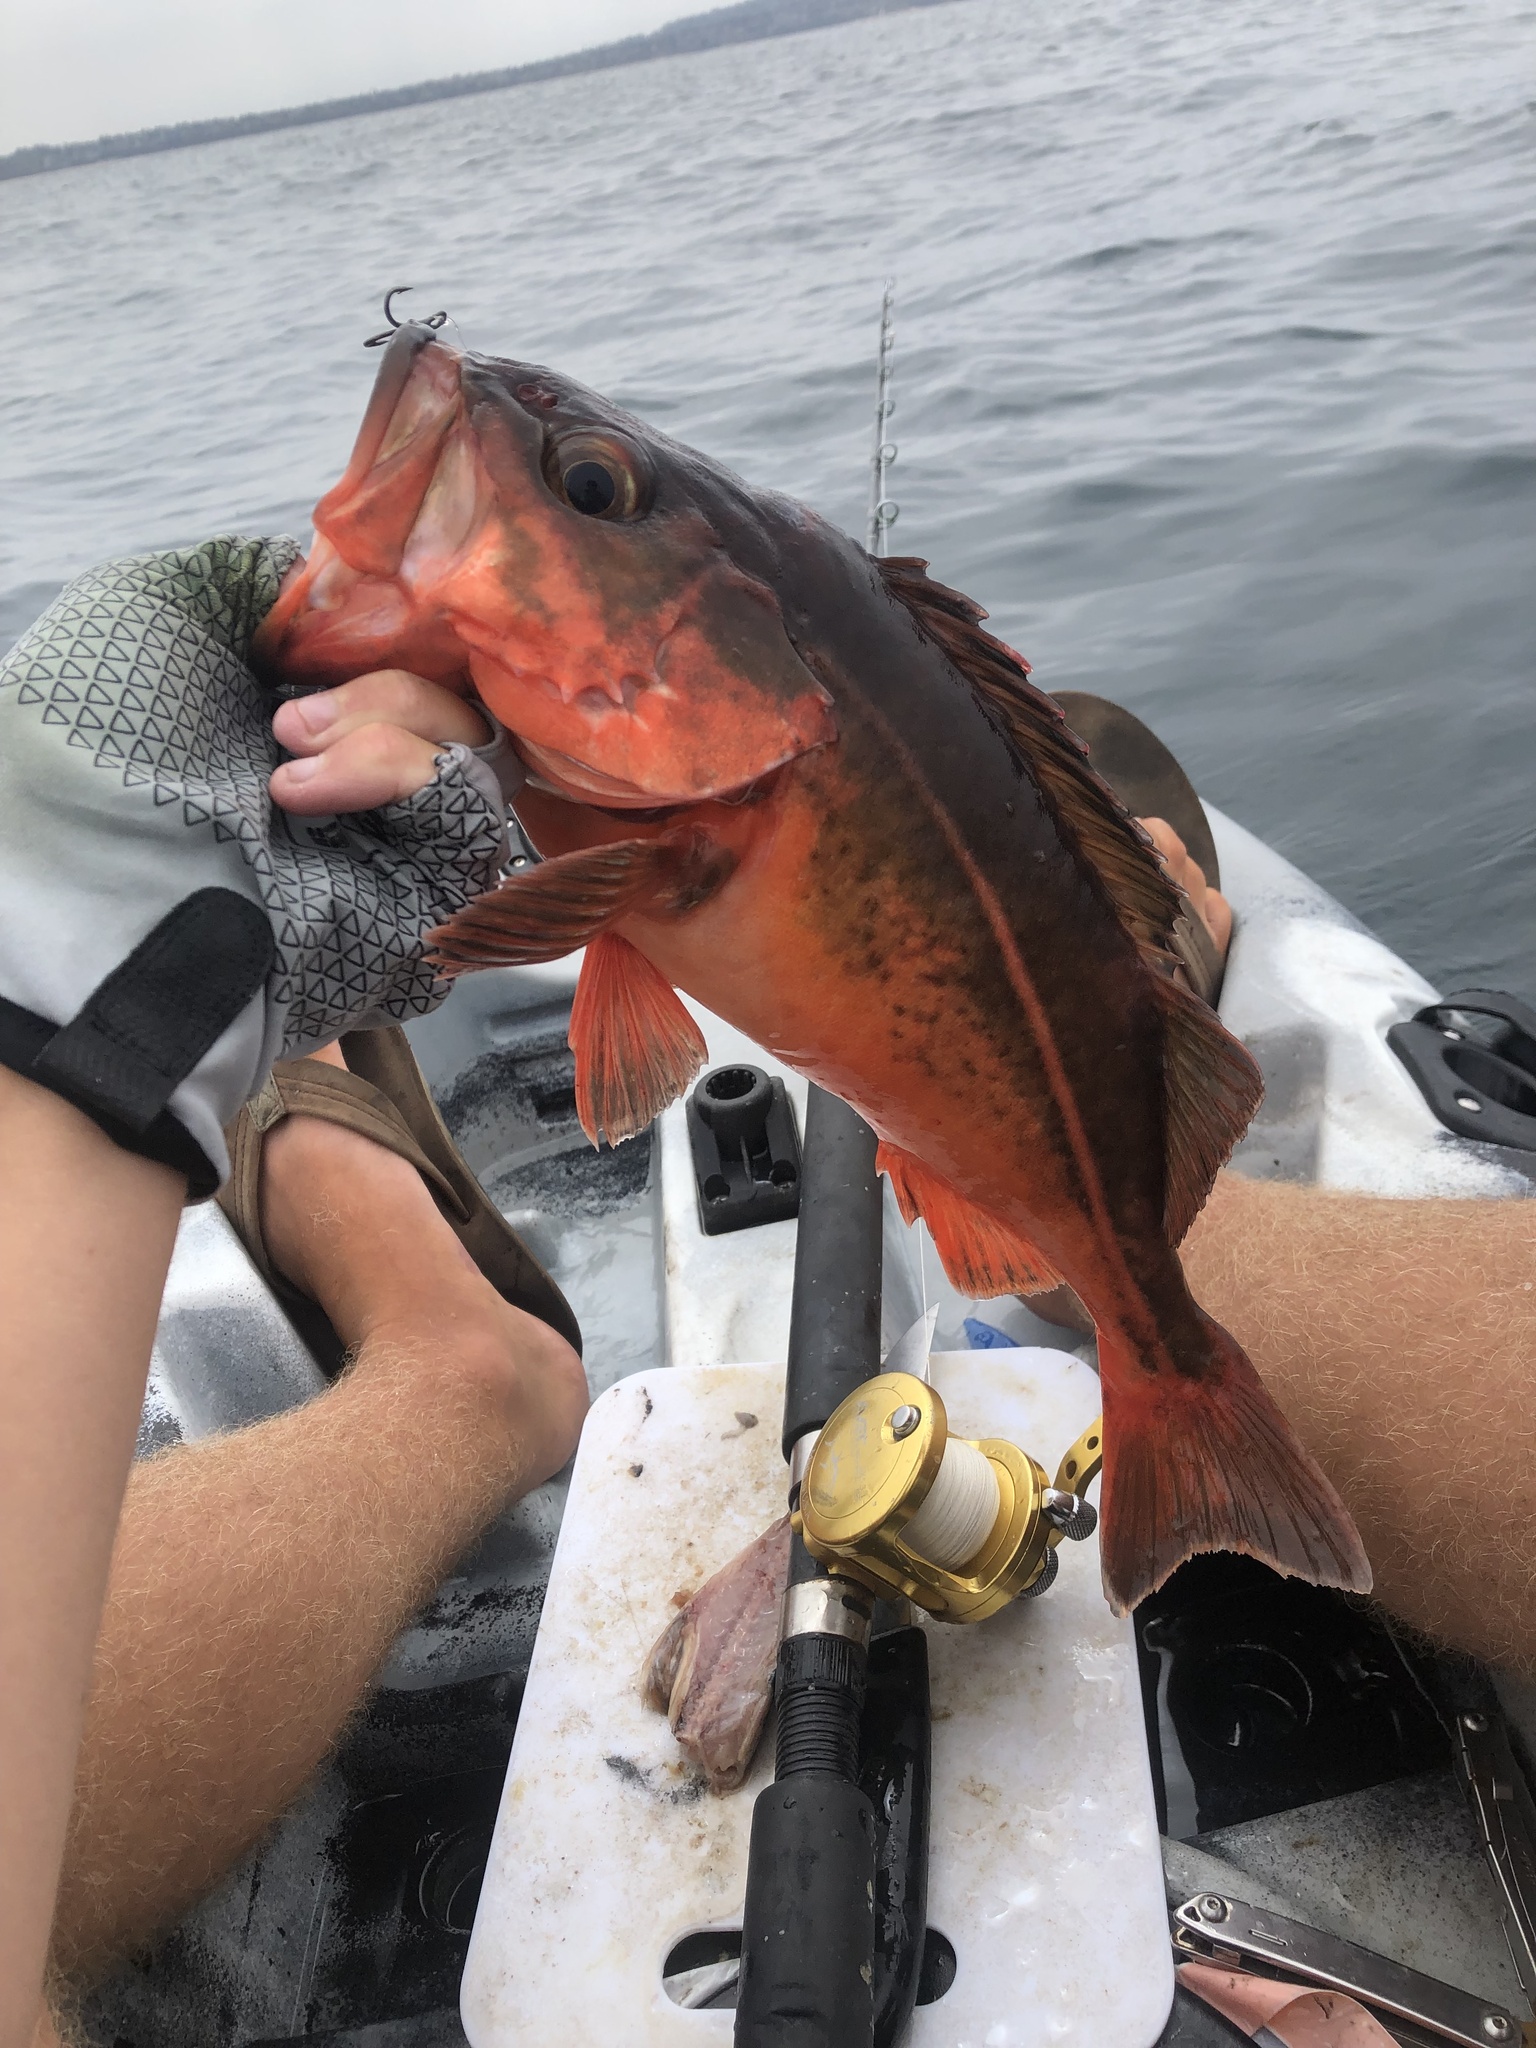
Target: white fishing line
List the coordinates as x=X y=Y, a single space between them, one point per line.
x=957 y=1517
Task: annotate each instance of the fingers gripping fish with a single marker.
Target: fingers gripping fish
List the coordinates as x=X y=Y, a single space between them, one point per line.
x=810 y=790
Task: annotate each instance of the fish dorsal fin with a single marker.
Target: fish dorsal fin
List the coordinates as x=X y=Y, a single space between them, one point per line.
x=1212 y=1085
x=636 y=1046
x=1110 y=840
x=980 y=1254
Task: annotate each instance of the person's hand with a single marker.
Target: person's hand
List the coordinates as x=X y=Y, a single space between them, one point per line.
x=1213 y=909
x=165 y=932
x=373 y=741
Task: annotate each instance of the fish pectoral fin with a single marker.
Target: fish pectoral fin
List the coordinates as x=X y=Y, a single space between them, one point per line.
x=982 y=1255
x=636 y=1046
x=544 y=912
x=1212 y=1088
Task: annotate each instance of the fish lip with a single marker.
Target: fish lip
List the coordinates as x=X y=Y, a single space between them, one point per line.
x=394 y=373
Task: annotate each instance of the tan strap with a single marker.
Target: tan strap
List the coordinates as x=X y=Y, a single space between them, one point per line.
x=382 y=1094
x=315 y=1088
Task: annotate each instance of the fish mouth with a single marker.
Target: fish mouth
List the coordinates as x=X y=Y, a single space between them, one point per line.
x=352 y=602
x=636 y=670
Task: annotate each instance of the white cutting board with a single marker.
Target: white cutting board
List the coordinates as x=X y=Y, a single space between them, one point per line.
x=1046 y=1872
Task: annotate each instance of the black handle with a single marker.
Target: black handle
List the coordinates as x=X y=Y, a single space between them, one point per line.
x=809 y=1902
x=834 y=1318
x=808 y=1926
x=896 y=1771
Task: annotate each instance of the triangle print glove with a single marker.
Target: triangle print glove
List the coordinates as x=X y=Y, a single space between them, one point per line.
x=165 y=932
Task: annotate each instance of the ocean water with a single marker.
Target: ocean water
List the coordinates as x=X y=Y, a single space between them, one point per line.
x=1214 y=353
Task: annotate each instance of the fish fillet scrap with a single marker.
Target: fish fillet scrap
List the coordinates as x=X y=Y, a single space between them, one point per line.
x=711 y=1669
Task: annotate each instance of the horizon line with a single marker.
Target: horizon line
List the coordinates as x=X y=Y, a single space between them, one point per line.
x=745 y=21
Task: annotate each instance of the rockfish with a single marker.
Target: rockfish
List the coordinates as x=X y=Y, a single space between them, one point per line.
x=807 y=788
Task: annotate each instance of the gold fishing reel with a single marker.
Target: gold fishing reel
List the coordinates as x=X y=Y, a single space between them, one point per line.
x=891 y=1500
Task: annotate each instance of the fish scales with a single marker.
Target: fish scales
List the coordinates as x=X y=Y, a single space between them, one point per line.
x=808 y=789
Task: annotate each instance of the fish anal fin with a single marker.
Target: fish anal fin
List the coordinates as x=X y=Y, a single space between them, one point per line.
x=636 y=1046
x=546 y=911
x=1212 y=1086
x=1208 y=1462
x=982 y=1255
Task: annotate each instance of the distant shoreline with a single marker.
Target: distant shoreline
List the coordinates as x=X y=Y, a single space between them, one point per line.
x=750 y=21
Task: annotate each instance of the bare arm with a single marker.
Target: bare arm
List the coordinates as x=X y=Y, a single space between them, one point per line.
x=85 y=1238
x=1400 y=1339
x=260 y=1578
x=258 y=1583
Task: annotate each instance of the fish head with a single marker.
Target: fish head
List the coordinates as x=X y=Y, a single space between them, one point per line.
x=600 y=588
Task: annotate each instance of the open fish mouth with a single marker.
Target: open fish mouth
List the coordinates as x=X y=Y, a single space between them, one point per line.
x=501 y=531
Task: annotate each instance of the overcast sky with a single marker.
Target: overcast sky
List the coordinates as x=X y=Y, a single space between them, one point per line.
x=74 y=69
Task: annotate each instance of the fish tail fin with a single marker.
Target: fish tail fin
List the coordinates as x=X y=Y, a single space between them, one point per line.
x=1208 y=1462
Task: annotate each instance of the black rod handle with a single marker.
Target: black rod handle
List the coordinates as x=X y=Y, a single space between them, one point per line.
x=834 y=1318
x=808 y=1929
x=896 y=1771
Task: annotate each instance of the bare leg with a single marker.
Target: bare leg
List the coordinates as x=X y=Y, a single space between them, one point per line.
x=260 y=1578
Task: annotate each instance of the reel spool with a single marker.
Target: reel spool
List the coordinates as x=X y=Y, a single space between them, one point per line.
x=891 y=1500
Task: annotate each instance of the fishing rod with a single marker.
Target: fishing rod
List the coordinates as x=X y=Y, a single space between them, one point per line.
x=837 y=1867
x=889 y=1510
x=883 y=511
x=808 y=1925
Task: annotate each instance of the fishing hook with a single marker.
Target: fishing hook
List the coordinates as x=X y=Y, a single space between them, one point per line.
x=435 y=321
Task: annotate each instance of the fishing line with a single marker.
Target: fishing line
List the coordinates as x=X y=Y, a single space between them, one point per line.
x=957 y=1516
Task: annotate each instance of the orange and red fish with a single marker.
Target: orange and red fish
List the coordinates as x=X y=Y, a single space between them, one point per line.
x=808 y=788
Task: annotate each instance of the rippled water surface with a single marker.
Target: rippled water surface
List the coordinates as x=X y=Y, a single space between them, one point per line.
x=1214 y=354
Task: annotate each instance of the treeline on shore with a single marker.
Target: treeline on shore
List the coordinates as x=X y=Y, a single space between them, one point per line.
x=749 y=21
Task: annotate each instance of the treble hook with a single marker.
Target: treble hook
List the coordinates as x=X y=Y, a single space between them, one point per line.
x=378 y=340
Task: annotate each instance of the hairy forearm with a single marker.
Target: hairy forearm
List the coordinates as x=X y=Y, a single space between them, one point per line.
x=1400 y=1339
x=85 y=1236
x=258 y=1582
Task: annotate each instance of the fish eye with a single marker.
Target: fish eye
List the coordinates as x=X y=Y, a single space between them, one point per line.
x=604 y=476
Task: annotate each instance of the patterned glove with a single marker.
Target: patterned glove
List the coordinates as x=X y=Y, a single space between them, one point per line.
x=165 y=932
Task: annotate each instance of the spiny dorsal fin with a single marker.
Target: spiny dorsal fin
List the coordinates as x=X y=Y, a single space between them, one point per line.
x=1212 y=1085
x=1109 y=838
